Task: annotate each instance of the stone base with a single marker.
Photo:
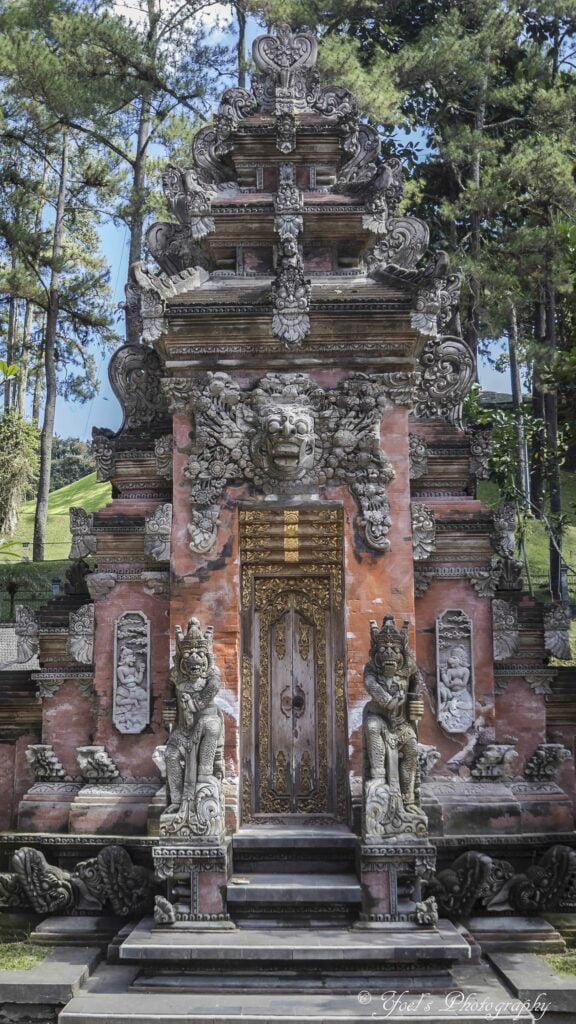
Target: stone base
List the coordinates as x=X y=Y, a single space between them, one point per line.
x=46 y=806
x=120 y=808
x=515 y=934
x=76 y=931
x=196 y=872
x=390 y=874
x=462 y=808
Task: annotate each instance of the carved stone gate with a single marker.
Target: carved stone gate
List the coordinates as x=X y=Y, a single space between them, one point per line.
x=293 y=704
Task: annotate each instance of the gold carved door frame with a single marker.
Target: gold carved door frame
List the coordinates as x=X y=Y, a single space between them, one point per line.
x=291 y=558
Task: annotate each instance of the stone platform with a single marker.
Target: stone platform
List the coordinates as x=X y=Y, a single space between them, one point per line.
x=110 y=998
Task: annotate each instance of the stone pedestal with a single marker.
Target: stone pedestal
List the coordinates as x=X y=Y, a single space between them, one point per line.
x=196 y=872
x=390 y=873
x=117 y=808
x=46 y=806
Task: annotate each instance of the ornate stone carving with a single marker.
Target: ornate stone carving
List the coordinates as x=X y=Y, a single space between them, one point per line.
x=82 y=530
x=135 y=374
x=544 y=764
x=80 y=643
x=145 y=303
x=391 y=787
x=131 y=701
x=428 y=757
x=174 y=248
x=447 y=373
x=418 y=455
x=423 y=531
x=426 y=912
x=557 y=631
x=96 y=765
x=159 y=758
x=402 y=245
x=163 y=448
x=110 y=879
x=480 y=451
x=156 y=583
x=104 y=452
x=288 y=204
x=188 y=197
x=284 y=434
x=505 y=631
x=157 y=530
x=475 y=879
x=494 y=762
x=284 y=64
x=486 y=581
x=455 y=671
x=195 y=748
x=164 y=911
x=100 y=584
x=503 y=537
x=26 y=629
x=44 y=764
x=361 y=144
x=290 y=295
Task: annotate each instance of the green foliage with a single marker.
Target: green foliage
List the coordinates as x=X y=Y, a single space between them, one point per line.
x=71 y=460
x=564 y=963
x=28 y=583
x=18 y=466
x=86 y=493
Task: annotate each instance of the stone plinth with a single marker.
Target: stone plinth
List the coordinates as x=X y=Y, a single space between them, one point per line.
x=46 y=806
x=457 y=807
x=196 y=873
x=390 y=873
x=119 y=808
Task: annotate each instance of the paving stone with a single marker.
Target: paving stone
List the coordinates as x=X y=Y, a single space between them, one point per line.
x=53 y=981
x=532 y=979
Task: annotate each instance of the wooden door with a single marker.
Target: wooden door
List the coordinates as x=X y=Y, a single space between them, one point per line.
x=293 y=705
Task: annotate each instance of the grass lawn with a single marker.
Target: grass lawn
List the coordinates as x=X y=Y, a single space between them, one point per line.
x=21 y=956
x=86 y=493
x=564 y=963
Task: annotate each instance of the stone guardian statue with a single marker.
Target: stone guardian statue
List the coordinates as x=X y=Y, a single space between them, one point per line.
x=195 y=748
x=391 y=776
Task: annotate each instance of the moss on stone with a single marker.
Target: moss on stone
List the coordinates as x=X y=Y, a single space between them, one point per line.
x=20 y=956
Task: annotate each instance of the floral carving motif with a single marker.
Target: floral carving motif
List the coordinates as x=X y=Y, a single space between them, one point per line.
x=505 y=631
x=157 y=530
x=423 y=531
x=44 y=764
x=290 y=295
x=418 y=455
x=131 y=703
x=82 y=530
x=447 y=373
x=557 y=631
x=544 y=764
x=96 y=765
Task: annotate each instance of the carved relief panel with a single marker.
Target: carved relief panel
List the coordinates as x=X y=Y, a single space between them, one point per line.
x=455 y=671
x=131 y=701
x=293 y=710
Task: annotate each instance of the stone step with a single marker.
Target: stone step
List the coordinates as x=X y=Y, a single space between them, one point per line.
x=385 y=945
x=474 y=992
x=268 y=850
x=292 y=889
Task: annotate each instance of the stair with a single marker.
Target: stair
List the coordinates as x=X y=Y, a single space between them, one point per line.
x=293 y=877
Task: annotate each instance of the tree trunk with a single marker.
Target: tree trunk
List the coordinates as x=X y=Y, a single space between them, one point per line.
x=38 y=386
x=10 y=349
x=47 y=435
x=22 y=385
x=241 y=44
x=536 y=461
x=553 y=465
x=29 y=318
x=138 y=207
x=522 y=476
x=472 y=330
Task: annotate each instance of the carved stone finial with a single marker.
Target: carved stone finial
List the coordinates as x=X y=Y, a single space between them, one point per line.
x=557 y=631
x=503 y=537
x=104 y=451
x=26 y=629
x=96 y=765
x=428 y=757
x=135 y=373
x=284 y=62
x=505 y=631
x=157 y=530
x=423 y=531
x=82 y=530
x=194 y=753
x=455 y=671
x=494 y=762
x=447 y=373
x=100 y=584
x=44 y=764
x=80 y=644
x=163 y=449
x=480 y=451
x=418 y=456
x=391 y=788
x=544 y=764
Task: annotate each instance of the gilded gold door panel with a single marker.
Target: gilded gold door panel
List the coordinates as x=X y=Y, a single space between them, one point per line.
x=293 y=706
